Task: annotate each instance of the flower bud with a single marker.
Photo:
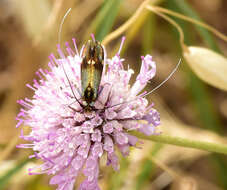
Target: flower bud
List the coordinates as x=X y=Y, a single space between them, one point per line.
x=209 y=66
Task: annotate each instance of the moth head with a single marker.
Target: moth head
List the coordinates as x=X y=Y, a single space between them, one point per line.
x=93 y=51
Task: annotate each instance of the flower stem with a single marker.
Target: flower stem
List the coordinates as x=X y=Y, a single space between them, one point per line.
x=183 y=17
x=171 y=21
x=189 y=143
x=126 y=25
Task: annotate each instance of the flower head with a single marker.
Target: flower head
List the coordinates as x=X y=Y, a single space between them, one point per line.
x=71 y=139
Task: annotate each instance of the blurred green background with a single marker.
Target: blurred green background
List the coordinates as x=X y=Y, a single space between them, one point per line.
x=188 y=106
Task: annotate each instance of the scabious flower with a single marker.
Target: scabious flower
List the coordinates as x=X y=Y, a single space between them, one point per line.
x=70 y=140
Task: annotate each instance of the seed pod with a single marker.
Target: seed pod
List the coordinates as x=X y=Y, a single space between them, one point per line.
x=208 y=66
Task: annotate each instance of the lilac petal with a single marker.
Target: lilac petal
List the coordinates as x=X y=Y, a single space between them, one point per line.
x=124 y=149
x=153 y=118
x=147 y=129
x=115 y=64
x=148 y=69
x=78 y=162
x=117 y=125
x=96 y=121
x=126 y=113
x=132 y=140
x=97 y=150
x=147 y=72
x=69 y=185
x=83 y=150
x=108 y=144
x=108 y=128
x=113 y=160
x=56 y=179
x=80 y=139
x=87 y=127
x=103 y=96
x=121 y=138
x=130 y=125
x=86 y=185
x=79 y=117
x=96 y=136
x=66 y=186
x=91 y=163
x=91 y=170
x=110 y=114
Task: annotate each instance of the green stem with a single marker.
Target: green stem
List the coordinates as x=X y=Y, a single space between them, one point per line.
x=189 y=143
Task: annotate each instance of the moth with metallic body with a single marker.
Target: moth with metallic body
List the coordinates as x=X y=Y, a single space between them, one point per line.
x=91 y=72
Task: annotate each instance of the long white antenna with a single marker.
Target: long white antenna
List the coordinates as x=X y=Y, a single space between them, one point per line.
x=62 y=22
x=59 y=40
x=170 y=75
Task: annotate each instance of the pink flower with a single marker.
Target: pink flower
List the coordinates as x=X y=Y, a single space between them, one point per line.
x=70 y=140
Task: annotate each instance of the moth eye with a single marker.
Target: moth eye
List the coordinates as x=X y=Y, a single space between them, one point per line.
x=61 y=88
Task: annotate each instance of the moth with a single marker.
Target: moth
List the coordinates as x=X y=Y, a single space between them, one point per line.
x=91 y=72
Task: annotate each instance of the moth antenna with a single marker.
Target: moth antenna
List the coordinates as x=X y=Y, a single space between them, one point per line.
x=167 y=78
x=59 y=40
x=62 y=22
x=157 y=87
x=71 y=86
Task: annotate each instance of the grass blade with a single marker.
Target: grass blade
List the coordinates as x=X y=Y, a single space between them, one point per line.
x=106 y=18
x=199 y=93
x=6 y=178
x=186 y=9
